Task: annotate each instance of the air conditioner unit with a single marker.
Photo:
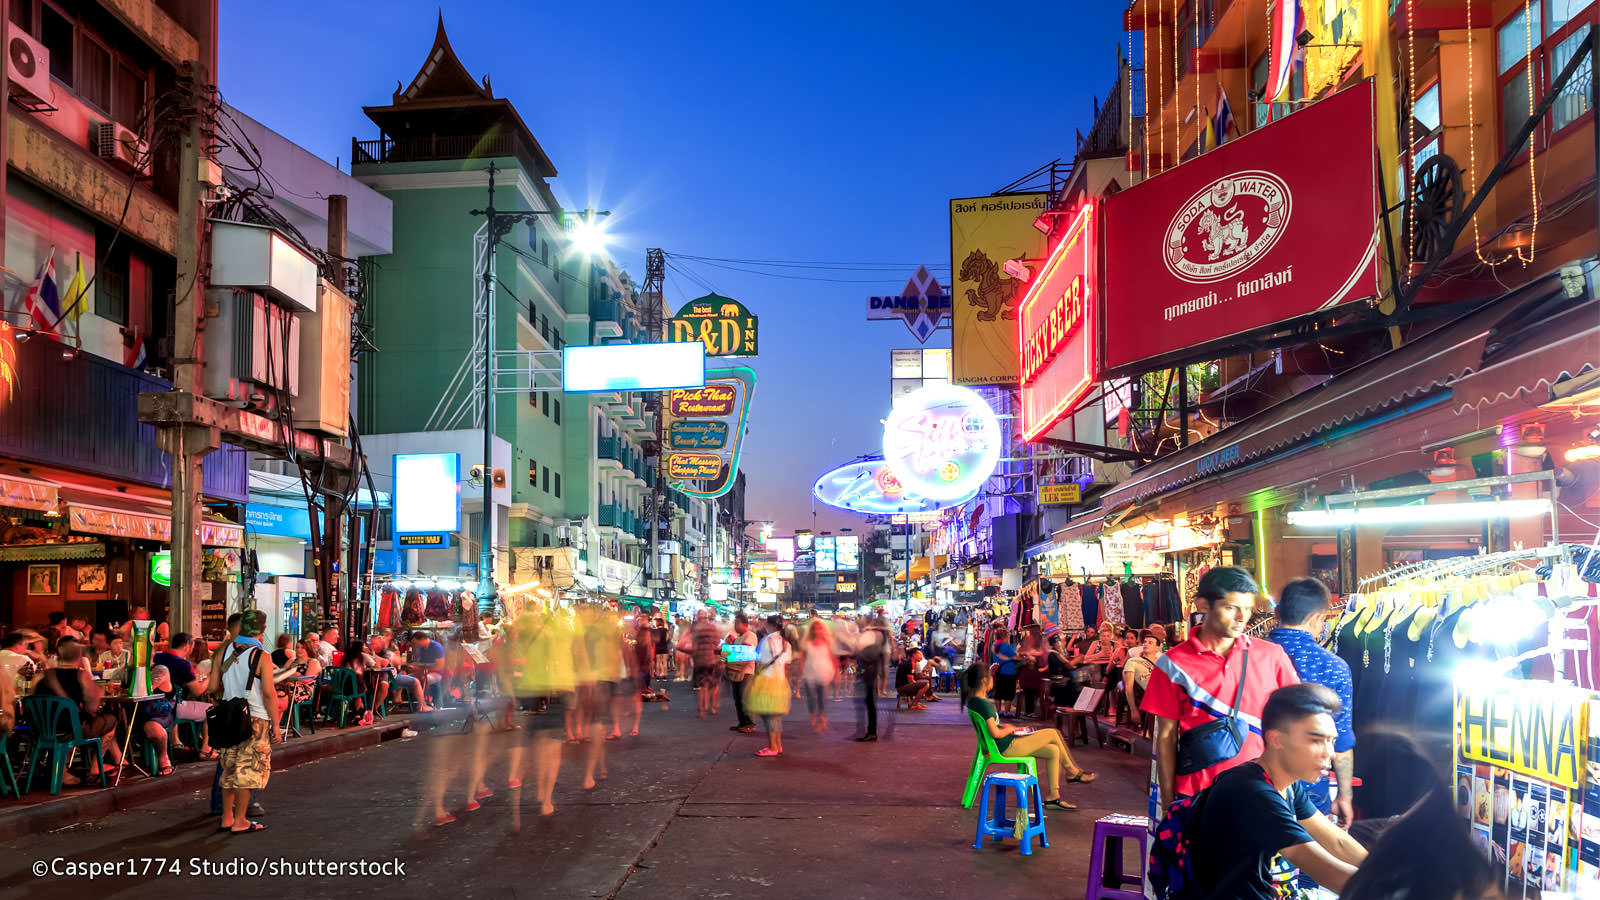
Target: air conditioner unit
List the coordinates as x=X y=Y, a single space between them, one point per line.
x=122 y=147
x=28 y=66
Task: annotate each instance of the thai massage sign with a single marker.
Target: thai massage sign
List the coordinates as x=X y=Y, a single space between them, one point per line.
x=1278 y=225
x=1056 y=329
x=721 y=323
x=704 y=428
x=1532 y=728
x=942 y=441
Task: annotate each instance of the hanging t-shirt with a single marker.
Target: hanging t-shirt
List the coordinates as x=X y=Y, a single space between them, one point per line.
x=1091 y=605
x=1071 y=608
x=1243 y=818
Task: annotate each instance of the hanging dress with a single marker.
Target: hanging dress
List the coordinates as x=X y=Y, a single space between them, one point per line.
x=1071 y=608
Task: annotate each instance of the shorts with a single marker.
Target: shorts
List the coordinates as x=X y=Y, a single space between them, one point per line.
x=247 y=764
x=707 y=676
x=192 y=710
x=553 y=718
x=401 y=682
x=1005 y=687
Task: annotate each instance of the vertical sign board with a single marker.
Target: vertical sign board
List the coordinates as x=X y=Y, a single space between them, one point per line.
x=427 y=499
x=1057 y=330
x=704 y=428
x=985 y=232
x=1526 y=783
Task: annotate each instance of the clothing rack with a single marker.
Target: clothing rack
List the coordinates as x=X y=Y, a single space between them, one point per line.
x=1458 y=565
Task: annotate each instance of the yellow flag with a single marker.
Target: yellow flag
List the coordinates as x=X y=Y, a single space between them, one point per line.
x=74 y=301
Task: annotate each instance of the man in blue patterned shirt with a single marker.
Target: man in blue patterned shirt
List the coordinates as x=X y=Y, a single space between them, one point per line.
x=1303 y=609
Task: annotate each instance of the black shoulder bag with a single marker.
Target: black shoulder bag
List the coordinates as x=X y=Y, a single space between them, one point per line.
x=1218 y=740
x=228 y=720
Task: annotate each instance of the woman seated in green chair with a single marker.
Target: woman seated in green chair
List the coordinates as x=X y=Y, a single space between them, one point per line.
x=70 y=678
x=1044 y=745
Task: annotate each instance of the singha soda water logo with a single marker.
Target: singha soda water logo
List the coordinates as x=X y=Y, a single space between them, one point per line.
x=1227 y=226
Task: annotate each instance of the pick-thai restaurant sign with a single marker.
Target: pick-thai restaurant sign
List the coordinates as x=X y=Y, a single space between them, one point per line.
x=1279 y=224
x=1057 y=330
x=723 y=324
x=704 y=428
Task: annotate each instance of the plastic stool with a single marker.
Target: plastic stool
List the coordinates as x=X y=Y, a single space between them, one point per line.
x=1109 y=833
x=992 y=821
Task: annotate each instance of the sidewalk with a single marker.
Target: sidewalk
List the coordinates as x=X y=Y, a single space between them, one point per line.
x=37 y=811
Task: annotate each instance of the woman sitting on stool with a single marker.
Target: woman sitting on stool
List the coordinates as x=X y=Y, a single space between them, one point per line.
x=1044 y=744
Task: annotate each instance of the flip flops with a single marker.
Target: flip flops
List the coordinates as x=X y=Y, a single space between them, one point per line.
x=254 y=827
x=1083 y=777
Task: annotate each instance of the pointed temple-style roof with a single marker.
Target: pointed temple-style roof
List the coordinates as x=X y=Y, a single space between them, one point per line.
x=445 y=101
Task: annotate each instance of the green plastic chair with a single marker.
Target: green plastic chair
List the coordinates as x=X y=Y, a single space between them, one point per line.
x=8 y=775
x=989 y=755
x=344 y=691
x=57 y=732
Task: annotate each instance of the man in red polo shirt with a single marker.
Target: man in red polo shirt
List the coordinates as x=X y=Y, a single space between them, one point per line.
x=1196 y=681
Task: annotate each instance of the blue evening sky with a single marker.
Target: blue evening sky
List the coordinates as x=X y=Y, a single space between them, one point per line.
x=823 y=131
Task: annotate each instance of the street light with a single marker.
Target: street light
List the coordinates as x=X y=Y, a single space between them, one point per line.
x=588 y=239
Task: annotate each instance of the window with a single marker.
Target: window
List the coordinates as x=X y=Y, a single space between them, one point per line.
x=547 y=479
x=1565 y=28
x=558 y=417
x=22 y=15
x=544 y=540
x=57 y=33
x=558 y=484
x=544 y=402
x=533 y=474
x=128 y=96
x=111 y=288
x=1424 y=127
x=94 y=73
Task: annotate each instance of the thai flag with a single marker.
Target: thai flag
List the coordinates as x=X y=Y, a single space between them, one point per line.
x=1221 y=123
x=43 y=301
x=133 y=356
x=1287 y=22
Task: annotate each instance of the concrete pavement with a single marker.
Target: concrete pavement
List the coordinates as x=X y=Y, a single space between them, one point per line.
x=686 y=812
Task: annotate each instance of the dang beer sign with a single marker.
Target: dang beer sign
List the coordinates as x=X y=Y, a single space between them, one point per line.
x=1278 y=225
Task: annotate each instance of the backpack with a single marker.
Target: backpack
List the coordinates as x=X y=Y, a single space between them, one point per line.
x=1171 y=866
x=228 y=720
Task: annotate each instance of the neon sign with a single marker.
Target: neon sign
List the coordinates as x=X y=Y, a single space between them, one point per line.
x=1056 y=330
x=867 y=486
x=942 y=441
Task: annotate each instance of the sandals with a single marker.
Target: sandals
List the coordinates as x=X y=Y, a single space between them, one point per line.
x=164 y=770
x=1082 y=777
x=1060 y=804
x=210 y=754
x=254 y=827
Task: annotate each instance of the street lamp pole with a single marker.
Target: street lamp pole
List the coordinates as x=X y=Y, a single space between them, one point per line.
x=499 y=224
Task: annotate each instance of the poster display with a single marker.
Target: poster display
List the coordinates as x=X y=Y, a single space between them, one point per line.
x=1525 y=780
x=985 y=233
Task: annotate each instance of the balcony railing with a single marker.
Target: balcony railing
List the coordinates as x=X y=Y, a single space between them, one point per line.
x=610 y=448
x=434 y=147
x=608 y=515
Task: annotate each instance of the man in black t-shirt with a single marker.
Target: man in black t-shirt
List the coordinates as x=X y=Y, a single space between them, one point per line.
x=1255 y=824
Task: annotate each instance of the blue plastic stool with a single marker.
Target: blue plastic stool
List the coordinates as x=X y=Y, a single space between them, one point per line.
x=992 y=821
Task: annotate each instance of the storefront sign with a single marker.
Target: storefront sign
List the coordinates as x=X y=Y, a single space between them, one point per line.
x=868 y=486
x=849 y=552
x=710 y=419
x=985 y=233
x=693 y=466
x=1060 y=494
x=942 y=441
x=721 y=323
x=694 y=435
x=161 y=568
x=1538 y=730
x=1275 y=225
x=921 y=305
x=1057 y=325
x=427 y=495
x=282 y=521
x=421 y=541
x=125 y=523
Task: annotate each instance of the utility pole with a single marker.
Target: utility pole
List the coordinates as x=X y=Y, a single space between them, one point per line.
x=188 y=443
x=500 y=225
x=655 y=276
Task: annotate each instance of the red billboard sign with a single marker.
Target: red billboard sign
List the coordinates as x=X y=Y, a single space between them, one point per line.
x=1276 y=225
x=1057 y=325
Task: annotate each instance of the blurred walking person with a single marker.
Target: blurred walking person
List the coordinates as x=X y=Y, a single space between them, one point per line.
x=845 y=638
x=544 y=640
x=820 y=668
x=872 y=653
x=768 y=691
x=704 y=637
x=738 y=647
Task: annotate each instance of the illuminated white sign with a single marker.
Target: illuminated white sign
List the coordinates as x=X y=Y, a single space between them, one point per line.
x=633 y=367
x=942 y=441
x=427 y=493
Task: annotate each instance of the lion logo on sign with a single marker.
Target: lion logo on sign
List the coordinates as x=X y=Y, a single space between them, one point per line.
x=1223 y=235
x=996 y=294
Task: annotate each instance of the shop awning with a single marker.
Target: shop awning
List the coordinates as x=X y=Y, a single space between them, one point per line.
x=920 y=567
x=1385 y=385
x=1564 y=347
x=27 y=493
x=53 y=552
x=1085 y=526
x=129 y=517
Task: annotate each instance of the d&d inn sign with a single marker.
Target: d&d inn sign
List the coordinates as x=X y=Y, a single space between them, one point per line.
x=723 y=324
x=1537 y=729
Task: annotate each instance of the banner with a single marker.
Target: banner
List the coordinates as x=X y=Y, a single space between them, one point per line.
x=704 y=429
x=985 y=232
x=1278 y=224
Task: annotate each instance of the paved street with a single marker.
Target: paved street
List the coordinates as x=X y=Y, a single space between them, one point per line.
x=687 y=811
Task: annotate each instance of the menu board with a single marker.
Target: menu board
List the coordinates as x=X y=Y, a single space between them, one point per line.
x=213 y=598
x=1527 y=777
